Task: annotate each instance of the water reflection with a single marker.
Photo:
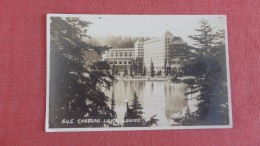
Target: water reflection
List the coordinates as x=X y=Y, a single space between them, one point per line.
x=161 y=98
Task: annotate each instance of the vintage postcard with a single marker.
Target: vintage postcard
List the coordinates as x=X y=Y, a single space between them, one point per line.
x=137 y=72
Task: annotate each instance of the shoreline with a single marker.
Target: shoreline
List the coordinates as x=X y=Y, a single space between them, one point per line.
x=161 y=79
x=141 y=79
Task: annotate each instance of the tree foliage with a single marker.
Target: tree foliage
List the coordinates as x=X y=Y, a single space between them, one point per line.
x=113 y=68
x=137 y=67
x=152 y=69
x=133 y=116
x=211 y=77
x=136 y=107
x=131 y=68
x=205 y=37
x=144 y=71
x=75 y=86
x=125 y=71
x=113 y=106
x=165 y=67
x=123 y=41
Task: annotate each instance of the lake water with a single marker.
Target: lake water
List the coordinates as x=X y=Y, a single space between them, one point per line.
x=157 y=97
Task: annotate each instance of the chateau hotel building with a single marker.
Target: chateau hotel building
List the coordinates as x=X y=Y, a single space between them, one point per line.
x=157 y=50
x=119 y=56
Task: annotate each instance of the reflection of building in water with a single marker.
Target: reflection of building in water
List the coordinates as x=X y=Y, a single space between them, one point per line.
x=175 y=99
x=158 y=50
x=161 y=98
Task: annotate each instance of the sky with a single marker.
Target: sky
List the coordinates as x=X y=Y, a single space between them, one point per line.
x=149 y=25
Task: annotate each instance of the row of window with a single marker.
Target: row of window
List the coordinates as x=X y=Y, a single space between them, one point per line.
x=121 y=54
x=121 y=62
x=121 y=50
x=120 y=58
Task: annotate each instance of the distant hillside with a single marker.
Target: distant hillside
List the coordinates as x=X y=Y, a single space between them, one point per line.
x=115 y=41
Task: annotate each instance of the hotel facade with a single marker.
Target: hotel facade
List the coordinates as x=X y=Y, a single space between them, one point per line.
x=157 y=50
x=119 y=56
x=139 y=48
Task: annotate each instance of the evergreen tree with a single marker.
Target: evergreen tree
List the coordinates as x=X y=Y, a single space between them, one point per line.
x=152 y=121
x=137 y=107
x=140 y=66
x=116 y=72
x=165 y=67
x=144 y=71
x=113 y=68
x=113 y=104
x=131 y=68
x=205 y=38
x=170 y=69
x=167 y=71
x=121 y=41
x=174 y=71
x=187 y=113
x=210 y=83
x=74 y=91
x=135 y=66
x=218 y=51
x=160 y=72
x=152 y=69
x=134 y=112
x=125 y=71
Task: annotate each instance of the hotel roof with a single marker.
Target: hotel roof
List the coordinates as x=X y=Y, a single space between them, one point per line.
x=168 y=33
x=141 y=39
x=179 y=41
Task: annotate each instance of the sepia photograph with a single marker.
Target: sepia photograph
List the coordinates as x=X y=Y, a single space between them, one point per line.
x=137 y=72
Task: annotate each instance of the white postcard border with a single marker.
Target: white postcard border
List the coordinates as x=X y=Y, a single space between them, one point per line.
x=47 y=129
